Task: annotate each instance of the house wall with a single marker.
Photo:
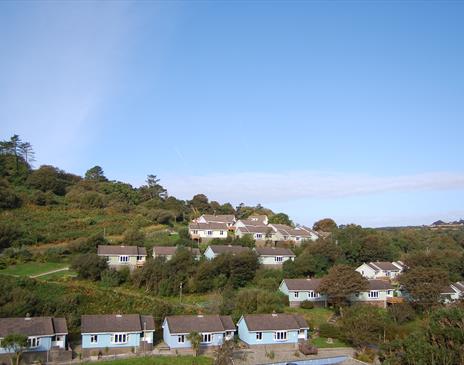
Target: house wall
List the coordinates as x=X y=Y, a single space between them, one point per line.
x=363 y=298
x=270 y=260
x=249 y=337
x=366 y=271
x=45 y=344
x=209 y=254
x=216 y=233
x=172 y=339
x=104 y=340
x=114 y=260
x=302 y=296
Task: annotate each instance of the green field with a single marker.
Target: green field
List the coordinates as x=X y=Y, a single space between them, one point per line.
x=315 y=316
x=321 y=342
x=32 y=268
x=163 y=360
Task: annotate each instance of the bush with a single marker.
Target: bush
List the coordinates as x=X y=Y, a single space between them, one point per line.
x=89 y=266
x=329 y=330
x=306 y=304
x=112 y=277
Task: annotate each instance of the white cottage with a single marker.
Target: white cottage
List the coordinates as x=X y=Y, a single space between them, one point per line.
x=207 y=231
x=274 y=256
x=381 y=269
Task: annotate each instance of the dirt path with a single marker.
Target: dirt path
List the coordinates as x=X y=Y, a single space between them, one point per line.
x=49 y=272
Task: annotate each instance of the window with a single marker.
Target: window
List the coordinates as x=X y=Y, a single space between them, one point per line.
x=119 y=338
x=390 y=292
x=297 y=238
x=313 y=294
x=259 y=235
x=33 y=342
x=206 y=337
x=139 y=258
x=221 y=233
x=259 y=336
x=195 y=231
x=124 y=259
x=210 y=233
x=278 y=259
x=280 y=336
x=181 y=338
x=296 y=294
x=93 y=339
x=387 y=273
x=373 y=294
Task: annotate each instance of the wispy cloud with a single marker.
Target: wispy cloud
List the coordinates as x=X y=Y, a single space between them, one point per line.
x=254 y=187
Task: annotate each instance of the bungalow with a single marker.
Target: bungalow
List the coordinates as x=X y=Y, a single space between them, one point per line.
x=123 y=256
x=214 y=330
x=228 y=219
x=215 y=250
x=118 y=333
x=252 y=220
x=207 y=231
x=258 y=233
x=378 y=293
x=274 y=256
x=299 y=290
x=169 y=251
x=47 y=337
x=283 y=232
x=272 y=329
x=381 y=269
x=459 y=290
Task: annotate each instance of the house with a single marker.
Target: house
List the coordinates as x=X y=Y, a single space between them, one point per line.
x=299 y=290
x=116 y=333
x=169 y=251
x=272 y=329
x=47 y=337
x=123 y=256
x=228 y=219
x=283 y=232
x=252 y=220
x=378 y=293
x=258 y=233
x=381 y=269
x=274 y=256
x=453 y=292
x=213 y=251
x=458 y=287
x=207 y=231
x=214 y=330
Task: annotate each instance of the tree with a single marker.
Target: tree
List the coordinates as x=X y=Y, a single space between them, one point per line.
x=375 y=247
x=281 y=218
x=96 y=174
x=134 y=237
x=341 y=282
x=424 y=285
x=153 y=189
x=16 y=343
x=9 y=235
x=195 y=341
x=224 y=354
x=50 y=178
x=89 y=266
x=325 y=225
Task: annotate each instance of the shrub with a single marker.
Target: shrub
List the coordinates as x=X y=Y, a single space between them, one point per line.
x=306 y=304
x=329 y=330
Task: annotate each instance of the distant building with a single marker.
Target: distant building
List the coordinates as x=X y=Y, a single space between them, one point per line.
x=169 y=251
x=228 y=219
x=260 y=234
x=299 y=290
x=123 y=256
x=283 y=232
x=274 y=256
x=214 y=330
x=253 y=220
x=378 y=293
x=381 y=269
x=213 y=251
x=207 y=231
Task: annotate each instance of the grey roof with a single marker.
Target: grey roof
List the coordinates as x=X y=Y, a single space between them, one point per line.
x=459 y=285
x=171 y=250
x=109 y=250
x=220 y=218
x=448 y=290
x=33 y=326
x=272 y=251
x=290 y=231
x=254 y=220
x=255 y=229
x=209 y=226
x=200 y=323
x=272 y=322
x=383 y=265
x=220 y=249
x=375 y=284
x=302 y=284
x=98 y=323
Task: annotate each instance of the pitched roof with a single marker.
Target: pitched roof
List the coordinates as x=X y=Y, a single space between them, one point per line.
x=302 y=284
x=116 y=323
x=383 y=265
x=106 y=250
x=220 y=249
x=171 y=250
x=200 y=323
x=290 y=231
x=210 y=226
x=220 y=218
x=273 y=322
x=448 y=290
x=33 y=326
x=459 y=285
x=255 y=220
x=272 y=251
x=255 y=229
x=375 y=284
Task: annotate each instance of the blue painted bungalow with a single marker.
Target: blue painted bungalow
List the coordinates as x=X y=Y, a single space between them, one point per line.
x=116 y=333
x=272 y=329
x=214 y=330
x=44 y=335
x=214 y=251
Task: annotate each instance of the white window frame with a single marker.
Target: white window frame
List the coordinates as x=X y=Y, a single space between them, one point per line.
x=195 y=231
x=123 y=259
x=296 y=294
x=139 y=258
x=207 y=336
x=33 y=342
x=374 y=294
x=259 y=336
x=115 y=338
x=181 y=339
x=221 y=233
x=259 y=235
x=280 y=336
x=279 y=259
x=209 y=233
x=93 y=338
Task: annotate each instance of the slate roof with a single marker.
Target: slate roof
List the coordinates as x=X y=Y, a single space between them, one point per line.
x=99 y=323
x=302 y=284
x=274 y=322
x=254 y=220
x=459 y=285
x=33 y=326
x=220 y=249
x=200 y=323
x=255 y=229
x=209 y=226
x=375 y=284
x=383 y=265
x=171 y=250
x=290 y=231
x=220 y=218
x=109 y=250
x=272 y=251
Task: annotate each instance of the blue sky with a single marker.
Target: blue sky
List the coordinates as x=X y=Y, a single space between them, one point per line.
x=352 y=110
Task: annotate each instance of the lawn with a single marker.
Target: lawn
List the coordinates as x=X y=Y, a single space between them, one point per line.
x=32 y=268
x=163 y=360
x=61 y=275
x=315 y=316
x=321 y=342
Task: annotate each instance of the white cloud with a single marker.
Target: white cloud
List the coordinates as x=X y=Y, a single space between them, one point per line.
x=254 y=187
